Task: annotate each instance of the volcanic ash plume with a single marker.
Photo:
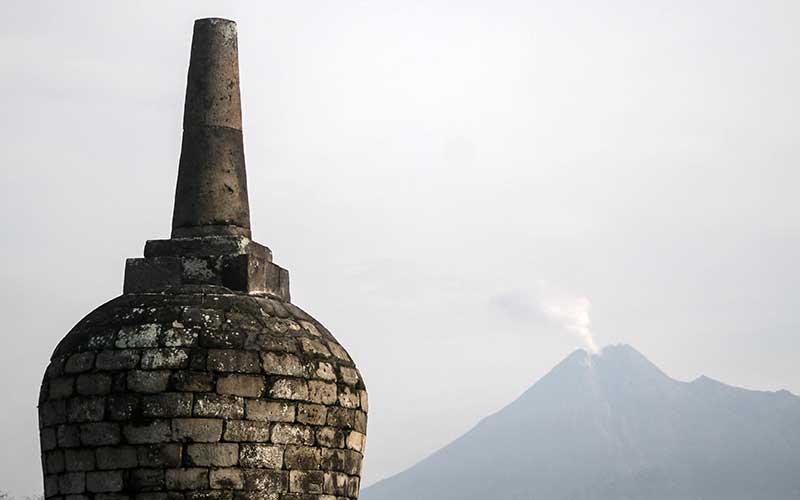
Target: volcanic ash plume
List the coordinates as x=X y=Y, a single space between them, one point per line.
x=572 y=315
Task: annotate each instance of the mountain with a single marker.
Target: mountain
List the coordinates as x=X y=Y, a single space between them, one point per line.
x=612 y=426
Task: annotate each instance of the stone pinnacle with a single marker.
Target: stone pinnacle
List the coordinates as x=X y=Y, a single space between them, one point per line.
x=211 y=194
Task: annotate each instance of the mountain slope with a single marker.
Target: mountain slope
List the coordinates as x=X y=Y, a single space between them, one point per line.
x=612 y=426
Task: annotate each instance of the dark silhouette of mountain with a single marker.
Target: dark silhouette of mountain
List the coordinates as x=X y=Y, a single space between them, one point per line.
x=612 y=426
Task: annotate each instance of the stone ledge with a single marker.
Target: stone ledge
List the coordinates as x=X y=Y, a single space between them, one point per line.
x=233 y=262
x=206 y=246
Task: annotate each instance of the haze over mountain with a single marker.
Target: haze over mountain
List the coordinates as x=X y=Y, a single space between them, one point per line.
x=612 y=426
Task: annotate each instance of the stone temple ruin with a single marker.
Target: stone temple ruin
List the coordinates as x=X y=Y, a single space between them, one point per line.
x=203 y=381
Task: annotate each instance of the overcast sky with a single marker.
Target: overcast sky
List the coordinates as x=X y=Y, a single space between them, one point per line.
x=463 y=192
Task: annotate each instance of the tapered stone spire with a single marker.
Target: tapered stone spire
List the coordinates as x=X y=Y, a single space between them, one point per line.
x=211 y=195
x=210 y=242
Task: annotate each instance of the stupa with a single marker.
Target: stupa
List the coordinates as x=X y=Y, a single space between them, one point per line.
x=202 y=381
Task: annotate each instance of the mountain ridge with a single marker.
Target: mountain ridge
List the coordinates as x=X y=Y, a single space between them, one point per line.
x=612 y=426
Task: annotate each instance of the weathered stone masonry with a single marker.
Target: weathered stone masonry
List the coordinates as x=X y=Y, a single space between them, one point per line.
x=202 y=381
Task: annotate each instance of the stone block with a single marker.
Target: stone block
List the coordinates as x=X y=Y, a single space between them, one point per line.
x=55 y=368
x=360 y=421
x=159 y=455
x=165 y=359
x=233 y=360
x=251 y=273
x=54 y=461
x=148 y=381
x=104 y=482
x=61 y=387
x=117 y=360
x=246 y=430
x=117 y=457
x=315 y=347
x=215 y=454
x=156 y=431
x=250 y=386
x=192 y=381
x=52 y=413
x=321 y=392
x=207 y=245
x=352 y=462
x=138 y=336
x=335 y=483
x=201 y=319
x=219 y=406
x=346 y=461
x=341 y=417
x=280 y=323
x=222 y=339
x=270 y=411
x=226 y=479
x=292 y=434
x=187 y=479
x=289 y=388
x=269 y=342
x=356 y=441
x=350 y=376
x=311 y=414
x=308 y=326
x=261 y=456
x=119 y=382
x=302 y=457
x=72 y=483
x=325 y=371
x=244 y=321
x=330 y=437
x=353 y=484
x=147 y=479
x=334 y=460
x=277 y=281
x=79 y=362
x=179 y=337
x=349 y=398
x=197 y=359
x=283 y=364
x=339 y=352
x=78 y=460
x=100 y=434
x=123 y=406
x=168 y=404
x=151 y=274
x=94 y=384
x=51 y=485
x=69 y=436
x=197 y=430
x=306 y=481
x=48 y=439
x=201 y=270
x=86 y=409
x=364 y=400
x=265 y=480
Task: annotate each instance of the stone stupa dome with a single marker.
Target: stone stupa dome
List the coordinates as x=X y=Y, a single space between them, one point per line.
x=203 y=381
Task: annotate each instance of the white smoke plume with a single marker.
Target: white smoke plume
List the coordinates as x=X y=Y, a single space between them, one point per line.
x=565 y=311
x=570 y=313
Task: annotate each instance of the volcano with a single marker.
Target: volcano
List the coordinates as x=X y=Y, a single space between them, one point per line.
x=613 y=426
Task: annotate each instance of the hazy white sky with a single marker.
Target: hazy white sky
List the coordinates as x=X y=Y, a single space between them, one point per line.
x=459 y=189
